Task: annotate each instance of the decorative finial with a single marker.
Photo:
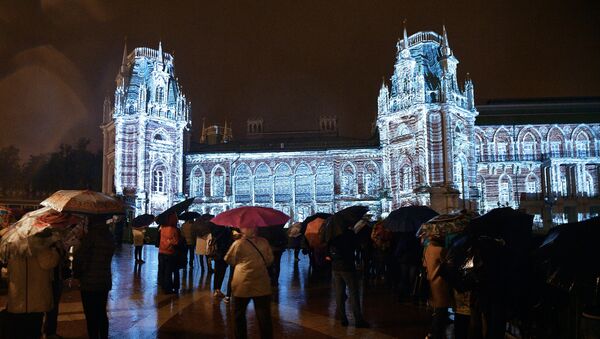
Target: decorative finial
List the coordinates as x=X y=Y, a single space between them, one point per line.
x=445 y=44
x=405 y=35
x=124 y=59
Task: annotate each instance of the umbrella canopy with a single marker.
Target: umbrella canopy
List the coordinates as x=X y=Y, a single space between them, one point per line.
x=444 y=224
x=143 y=220
x=319 y=215
x=341 y=221
x=42 y=223
x=251 y=216
x=178 y=208
x=408 y=219
x=84 y=201
x=567 y=253
x=189 y=216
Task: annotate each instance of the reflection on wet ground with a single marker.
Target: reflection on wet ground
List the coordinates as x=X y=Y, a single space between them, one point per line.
x=302 y=306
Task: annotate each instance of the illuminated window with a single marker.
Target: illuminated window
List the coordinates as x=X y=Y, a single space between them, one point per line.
x=407 y=178
x=348 y=180
x=197 y=183
x=528 y=150
x=263 y=185
x=501 y=150
x=217 y=182
x=324 y=183
x=582 y=146
x=371 y=179
x=283 y=183
x=304 y=184
x=504 y=193
x=159 y=94
x=555 y=148
x=243 y=184
x=158 y=181
x=531 y=186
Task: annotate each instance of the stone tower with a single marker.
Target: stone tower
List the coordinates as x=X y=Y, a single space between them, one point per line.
x=144 y=131
x=425 y=126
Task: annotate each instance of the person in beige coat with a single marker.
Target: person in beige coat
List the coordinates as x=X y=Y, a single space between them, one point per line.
x=251 y=256
x=30 y=292
x=440 y=298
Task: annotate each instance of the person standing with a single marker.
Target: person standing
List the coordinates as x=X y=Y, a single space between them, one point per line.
x=138 y=243
x=167 y=251
x=222 y=238
x=251 y=256
x=190 y=240
x=343 y=266
x=440 y=298
x=30 y=292
x=92 y=267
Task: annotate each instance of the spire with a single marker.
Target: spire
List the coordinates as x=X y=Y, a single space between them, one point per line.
x=445 y=45
x=405 y=35
x=160 y=52
x=124 y=58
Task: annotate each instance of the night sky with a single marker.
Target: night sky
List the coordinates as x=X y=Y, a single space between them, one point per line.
x=286 y=61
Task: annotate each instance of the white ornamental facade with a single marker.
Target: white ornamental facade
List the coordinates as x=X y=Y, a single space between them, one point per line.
x=427 y=148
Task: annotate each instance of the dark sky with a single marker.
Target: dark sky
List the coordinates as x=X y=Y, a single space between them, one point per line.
x=286 y=61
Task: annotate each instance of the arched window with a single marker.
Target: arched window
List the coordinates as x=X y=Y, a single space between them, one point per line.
x=263 y=185
x=158 y=179
x=217 y=182
x=197 y=182
x=242 y=184
x=531 y=184
x=283 y=183
x=529 y=147
x=556 y=141
x=407 y=178
x=324 y=183
x=459 y=176
x=504 y=190
x=371 y=178
x=304 y=184
x=582 y=145
x=348 y=180
x=159 y=94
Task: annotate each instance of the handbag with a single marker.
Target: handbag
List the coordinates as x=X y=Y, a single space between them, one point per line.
x=211 y=246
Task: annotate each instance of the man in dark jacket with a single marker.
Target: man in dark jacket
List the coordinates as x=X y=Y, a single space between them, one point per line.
x=92 y=266
x=342 y=250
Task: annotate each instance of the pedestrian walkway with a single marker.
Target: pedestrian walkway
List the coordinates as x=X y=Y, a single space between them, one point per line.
x=301 y=308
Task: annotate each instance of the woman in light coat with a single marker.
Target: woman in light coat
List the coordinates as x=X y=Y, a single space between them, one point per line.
x=30 y=292
x=251 y=256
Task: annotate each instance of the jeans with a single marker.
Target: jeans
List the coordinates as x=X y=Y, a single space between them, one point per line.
x=262 y=308
x=137 y=252
x=341 y=281
x=171 y=274
x=220 y=268
x=94 y=307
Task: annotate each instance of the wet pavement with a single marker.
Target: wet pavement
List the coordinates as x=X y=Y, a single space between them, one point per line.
x=302 y=306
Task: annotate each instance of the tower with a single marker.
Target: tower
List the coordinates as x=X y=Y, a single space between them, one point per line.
x=144 y=131
x=425 y=124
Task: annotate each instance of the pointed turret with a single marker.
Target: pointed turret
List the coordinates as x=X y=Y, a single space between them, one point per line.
x=445 y=45
x=405 y=51
x=405 y=35
x=124 y=58
x=160 y=53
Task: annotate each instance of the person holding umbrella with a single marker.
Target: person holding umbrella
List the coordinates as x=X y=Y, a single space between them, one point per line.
x=251 y=257
x=188 y=233
x=167 y=252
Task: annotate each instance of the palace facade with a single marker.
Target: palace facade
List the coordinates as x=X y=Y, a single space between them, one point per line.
x=430 y=146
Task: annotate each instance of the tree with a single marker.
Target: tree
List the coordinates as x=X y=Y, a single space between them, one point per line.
x=10 y=168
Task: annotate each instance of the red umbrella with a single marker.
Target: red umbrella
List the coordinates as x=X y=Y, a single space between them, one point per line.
x=251 y=216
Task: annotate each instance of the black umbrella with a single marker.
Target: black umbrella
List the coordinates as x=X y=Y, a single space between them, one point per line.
x=202 y=225
x=568 y=253
x=178 y=208
x=408 y=219
x=143 y=220
x=189 y=216
x=341 y=221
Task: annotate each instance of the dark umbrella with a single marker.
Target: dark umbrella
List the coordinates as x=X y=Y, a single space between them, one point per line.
x=341 y=221
x=143 y=220
x=189 y=216
x=408 y=219
x=568 y=253
x=178 y=208
x=202 y=225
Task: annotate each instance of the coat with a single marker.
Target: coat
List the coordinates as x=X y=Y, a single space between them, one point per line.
x=250 y=275
x=92 y=260
x=188 y=232
x=169 y=238
x=30 y=282
x=440 y=291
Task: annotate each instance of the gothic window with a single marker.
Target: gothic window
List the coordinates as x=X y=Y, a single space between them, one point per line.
x=348 y=180
x=304 y=184
x=555 y=148
x=159 y=94
x=263 y=185
x=531 y=184
x=582 y=145
x=243 y=184
x=371 y=179
x=459 y=176
x=324 y=183
x=504 y=190
x=407 y=178
x=528 y=150
x=478 y=148
x=283 y=183
x=589 y=185
x=197 y=182
x=158 y=179
x=501 y=150
x=217 y=182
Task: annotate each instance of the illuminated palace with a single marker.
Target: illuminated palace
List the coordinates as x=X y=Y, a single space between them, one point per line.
x=427 y=147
